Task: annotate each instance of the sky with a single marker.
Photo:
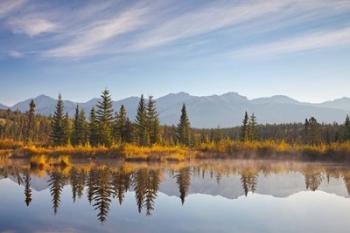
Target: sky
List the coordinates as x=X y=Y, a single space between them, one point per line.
x=299 y=48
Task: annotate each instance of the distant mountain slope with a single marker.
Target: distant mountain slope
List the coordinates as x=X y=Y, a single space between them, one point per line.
x=216 y=110
x=3 y=106
x=342 y=103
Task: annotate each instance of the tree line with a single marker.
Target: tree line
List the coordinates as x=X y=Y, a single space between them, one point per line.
x=102 y=126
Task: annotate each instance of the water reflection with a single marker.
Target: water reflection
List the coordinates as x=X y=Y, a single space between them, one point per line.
x=103 y=183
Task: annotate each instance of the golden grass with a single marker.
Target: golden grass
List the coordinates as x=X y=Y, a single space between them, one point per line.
x=8 y=144
x=44 y=160
x=224 y=148
x=155 y=152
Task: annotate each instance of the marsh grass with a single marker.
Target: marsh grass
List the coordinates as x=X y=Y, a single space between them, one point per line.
x=221 y=149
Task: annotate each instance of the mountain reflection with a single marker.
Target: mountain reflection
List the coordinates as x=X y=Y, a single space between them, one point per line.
x=103 y=183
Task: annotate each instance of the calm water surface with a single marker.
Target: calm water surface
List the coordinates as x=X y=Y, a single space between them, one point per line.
x=206 y=196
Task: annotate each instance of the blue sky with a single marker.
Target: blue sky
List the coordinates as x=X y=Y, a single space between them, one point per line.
x=299 y=48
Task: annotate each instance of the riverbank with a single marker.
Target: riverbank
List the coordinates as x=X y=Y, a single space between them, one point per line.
x=222 y=149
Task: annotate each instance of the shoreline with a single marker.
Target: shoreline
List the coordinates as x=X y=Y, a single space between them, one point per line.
x=339 y=152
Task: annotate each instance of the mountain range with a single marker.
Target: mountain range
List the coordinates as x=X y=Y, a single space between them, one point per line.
x=224 y=110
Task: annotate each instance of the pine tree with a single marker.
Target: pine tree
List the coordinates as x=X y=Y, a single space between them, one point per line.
x=243 y=134
x=141 y=123
x=129 y=131
x=120 y=125
x=153 y=121
x=252 y=131
x=58 y=134
x=105 y=118
x=183 y=128
x=67 y=126
x=79 y=134
x=93 y=128
x=76 y=128
x=83 y=125
x=347 y=129
x=30 y=127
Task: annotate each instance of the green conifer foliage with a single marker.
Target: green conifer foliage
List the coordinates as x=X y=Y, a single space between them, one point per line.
x=252 y=131
x=57 y=133
x=153 y=122
x=141 y=123
x=30 y=127
x=183 y=128
x=93 y=128
x=244 y=131
x=105 y=118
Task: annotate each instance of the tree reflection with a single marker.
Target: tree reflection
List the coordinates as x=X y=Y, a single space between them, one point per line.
x=183 y=179
x=121 y=184
x=56 y=184
x=146 y=184
x=103 y=183
x=249 y=181
x=27 y=189
x=102 y=190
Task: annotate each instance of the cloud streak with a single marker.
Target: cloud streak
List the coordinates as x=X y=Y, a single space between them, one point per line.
x=7 y=6
x=92 y=37
x=317 y=40
x=32 y=26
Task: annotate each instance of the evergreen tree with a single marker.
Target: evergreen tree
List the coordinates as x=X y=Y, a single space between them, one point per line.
x=67 y=126
x=83 y=134
x=347 y=129
x=153 y=121
x=312 y=132
x=183 y=128
x=120 y=130
x=76 y=128
x=252 y=131
x=243 y=135
x=129 y=136
x=105 y=118
x=93 y=128
x=57 y=133
x=141 y=123
x=79 y=134
x=30 y=127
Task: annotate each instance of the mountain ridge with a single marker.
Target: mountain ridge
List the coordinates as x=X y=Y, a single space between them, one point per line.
x=225 y=110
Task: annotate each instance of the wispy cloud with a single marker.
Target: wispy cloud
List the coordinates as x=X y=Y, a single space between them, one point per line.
x=316 y=40
x=219 y=15
x=112 y=27
x=209 y=18
x=32 y=26
x=15 y=54
x=92 y=37
x=7 y=6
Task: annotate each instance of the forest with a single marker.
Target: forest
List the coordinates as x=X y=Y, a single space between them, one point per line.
x=103 y=130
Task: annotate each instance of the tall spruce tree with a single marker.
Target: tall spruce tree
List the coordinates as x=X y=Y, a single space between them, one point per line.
x=79 y=134
x=57 y=132
x=120 y=125
x=183 y=128
x=153 y=122
x=141 y=123
x=84 y=129
x=30 y=127
x=76 y=128
x=252 y=131
x=67 y=126
x=105 y=118
x=347 y=128
x=244 y=131
x=93 y=128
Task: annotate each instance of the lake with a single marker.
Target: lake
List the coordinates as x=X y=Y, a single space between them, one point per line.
x=199 y=196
